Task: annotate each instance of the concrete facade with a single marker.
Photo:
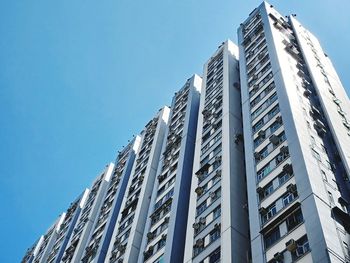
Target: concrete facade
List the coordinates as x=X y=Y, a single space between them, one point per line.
x=297 y=209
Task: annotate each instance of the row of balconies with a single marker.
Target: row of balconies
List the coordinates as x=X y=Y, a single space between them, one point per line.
x=251 y=24
x=253 y=60
x=257 y=46
x=214 y=60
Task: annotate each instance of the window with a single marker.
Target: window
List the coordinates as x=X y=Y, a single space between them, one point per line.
x=272 y=237
x=295 y=219
x=302 y=248
x=273 y=112
x=263 y=172
x=197 y=249
x=217 y=149
x=281 y=157
x=161 y=243
x=316 y=155
x=263 y=120
x=328 y=164
x=216 y=212
x=215 y=256
x=288 y=198
x=312 y=140
x=268 y=189
x=214 y=235
x=271 y=211
x=266 y=104
x=331 y=199
x=258 y=125
x=274 y=126
x=263 y=153
x=201 y=207
x=346 y=248
x=284 y=177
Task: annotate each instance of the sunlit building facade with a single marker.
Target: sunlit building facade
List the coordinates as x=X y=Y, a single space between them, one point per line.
x=297 y=142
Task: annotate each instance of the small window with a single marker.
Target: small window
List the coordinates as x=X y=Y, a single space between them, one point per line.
x=330 y=197
x=272 y=237
x=316 y=155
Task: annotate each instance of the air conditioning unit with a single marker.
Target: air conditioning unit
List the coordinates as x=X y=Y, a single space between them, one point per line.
x=261 y=55
x=212 y=194
x=284 y=149
x=218 y=172
x=255 y=87
x=199 y=190
x=161 y=177
x=262 y=133
x=278 y=257
x=277 y=25
x=196 y=226
x=262 y=210
x=217 y=226
x=287 y=168
x=291 y=245
x=274 y=139
x=200 y=242
x=218 y=158
x=202 y=220
x=150 y=249
x=150 y=235
x=279 y=119
x=285 y=42
x=292 y=188
x=121 y=247
x=257 y=156
x=259 y=190
x=238 y=138
x=205 y=112
x=199 y=176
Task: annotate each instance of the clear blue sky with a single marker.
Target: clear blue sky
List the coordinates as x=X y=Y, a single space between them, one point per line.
x=79 y=78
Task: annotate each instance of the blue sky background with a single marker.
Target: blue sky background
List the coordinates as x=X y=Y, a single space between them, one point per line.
x=78 y=78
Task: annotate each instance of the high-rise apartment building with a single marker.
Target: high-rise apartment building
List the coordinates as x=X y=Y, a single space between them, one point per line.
x=297 y=141
x=128 y=231
x=218 y=220
x=105 y=219
x=70 y=218
x=51 y=246
x=88 y=216
x=47 y=241
x=249 y=164
x=168 y=211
